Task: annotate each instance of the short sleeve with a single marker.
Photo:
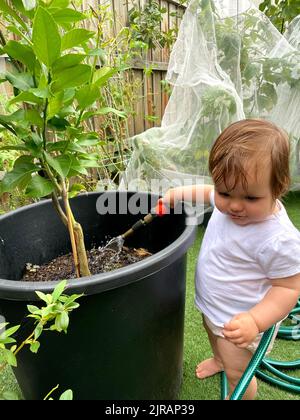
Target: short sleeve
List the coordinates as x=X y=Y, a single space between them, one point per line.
x=212 y=197
x=280 y=256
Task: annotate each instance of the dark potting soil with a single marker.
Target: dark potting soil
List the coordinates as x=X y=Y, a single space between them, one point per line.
x=100 y=261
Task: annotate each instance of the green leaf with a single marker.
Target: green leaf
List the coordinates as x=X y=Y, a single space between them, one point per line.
x=34 y=347
x=14 y=147
x=32 y=309
x=67 y=61
x=55 y=164
x=46 y=38
x=67 y=16
x=22 y=53
x=10 y=396
x=61 y=146
x=58 y=290
x=44 y=297
x=27 y=97
x=14 y=117
x=18 y=4
x=264 y=103
x=10 y=11
x=87 y=95
x=59 y=124
x=42 y=93
x=72 y=77
x=269 y=90
x=103 y=111
x=55 y=105
x=20 y=176
x=77 y=167
x=102 y=75
x=88 y=162
x=22 y=81
x=39 y=187
x=75 y=37
x=86 y=141
x=10 y=331
x=67 y=395
x=70 y=299
x=62 y=321
x=98 y=52
x=7 y=341
x=34 y=145
x=32 y=116
x=10 y=357
x=76 y=189
x=59 y=3
x=38 y=330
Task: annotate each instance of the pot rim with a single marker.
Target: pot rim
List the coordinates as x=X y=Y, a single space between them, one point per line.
x=24 y=290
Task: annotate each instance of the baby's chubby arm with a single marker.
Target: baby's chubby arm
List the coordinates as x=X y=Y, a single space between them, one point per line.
x=192 y=193
x=276 y=305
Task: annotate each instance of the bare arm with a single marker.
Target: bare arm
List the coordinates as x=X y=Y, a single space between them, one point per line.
x=276 y=305
x=192 y=193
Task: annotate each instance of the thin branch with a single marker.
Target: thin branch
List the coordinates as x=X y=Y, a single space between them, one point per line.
x=51 y=176
x=59 y=209
x=70 y=227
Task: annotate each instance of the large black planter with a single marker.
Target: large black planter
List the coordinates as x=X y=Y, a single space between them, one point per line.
x=126 y=339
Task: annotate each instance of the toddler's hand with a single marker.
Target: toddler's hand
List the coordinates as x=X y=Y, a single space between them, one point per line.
x=170 y=198
x=241 y=330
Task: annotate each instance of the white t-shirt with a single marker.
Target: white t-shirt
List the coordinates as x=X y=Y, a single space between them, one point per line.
x=236 y=263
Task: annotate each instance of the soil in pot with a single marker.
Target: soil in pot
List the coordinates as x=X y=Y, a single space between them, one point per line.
x=100 y=260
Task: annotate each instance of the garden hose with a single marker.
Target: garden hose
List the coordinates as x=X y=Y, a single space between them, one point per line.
x=224 y=386
x=159 y=211
x=291 y=332
x=250 y=371
x=281 y=384
x=285 y=365
x=280 y=379
x=280 y=374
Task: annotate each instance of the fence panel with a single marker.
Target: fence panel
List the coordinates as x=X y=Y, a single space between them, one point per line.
x=151 y=100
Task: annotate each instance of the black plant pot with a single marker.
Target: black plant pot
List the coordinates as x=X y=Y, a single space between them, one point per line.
x=126 y=339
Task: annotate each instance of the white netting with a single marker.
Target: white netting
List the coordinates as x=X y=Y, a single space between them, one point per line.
x=228 y=63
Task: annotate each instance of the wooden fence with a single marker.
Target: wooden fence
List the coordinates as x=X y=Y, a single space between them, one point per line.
x=150 y=97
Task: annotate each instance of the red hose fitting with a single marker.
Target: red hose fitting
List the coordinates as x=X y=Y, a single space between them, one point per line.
x=161 y=208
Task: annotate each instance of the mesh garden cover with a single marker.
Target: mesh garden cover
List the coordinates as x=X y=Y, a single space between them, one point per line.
x=228 y=63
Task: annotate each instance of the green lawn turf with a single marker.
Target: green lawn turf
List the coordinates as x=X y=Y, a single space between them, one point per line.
x=197 y=346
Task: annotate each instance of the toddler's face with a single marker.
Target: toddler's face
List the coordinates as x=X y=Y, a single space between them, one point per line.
x=251 y=206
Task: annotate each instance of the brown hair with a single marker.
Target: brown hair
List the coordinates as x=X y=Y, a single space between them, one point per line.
x=247 y=139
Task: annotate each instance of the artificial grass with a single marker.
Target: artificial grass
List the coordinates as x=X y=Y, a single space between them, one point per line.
x=197 y=347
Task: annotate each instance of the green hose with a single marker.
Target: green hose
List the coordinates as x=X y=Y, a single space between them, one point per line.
x=245 y=380
x=281 y=380
x=224 y=386
x=280 y=374
x=281 y=384
x=285 y=365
